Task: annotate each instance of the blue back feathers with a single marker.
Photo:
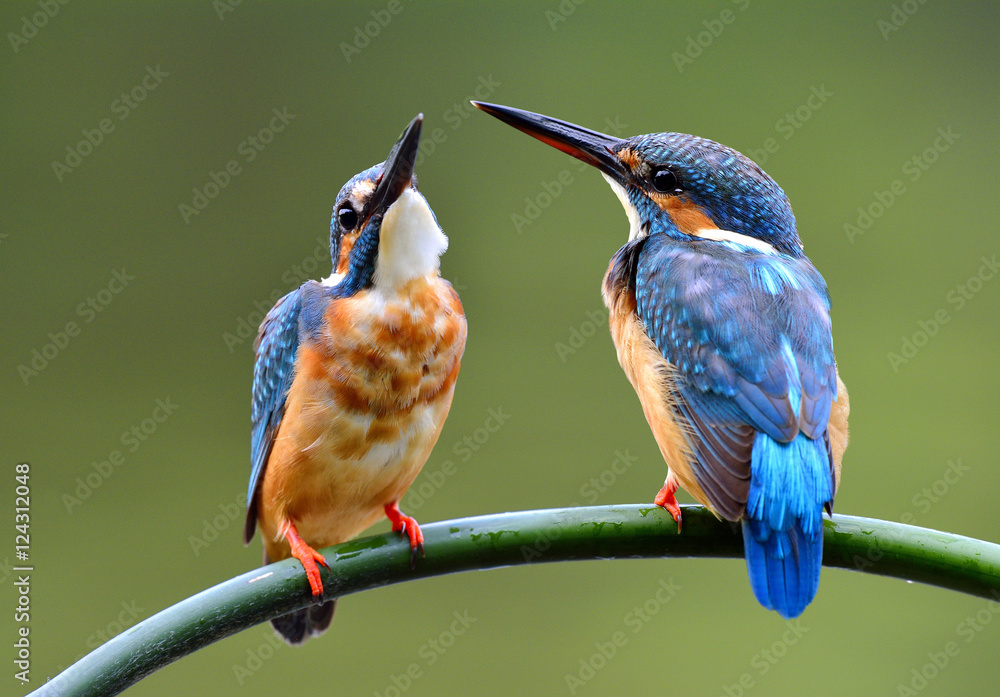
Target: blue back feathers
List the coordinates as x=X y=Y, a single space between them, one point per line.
x=749 y=334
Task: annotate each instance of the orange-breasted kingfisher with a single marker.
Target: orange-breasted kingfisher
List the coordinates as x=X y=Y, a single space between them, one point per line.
x=722 y=326
x=353 y=379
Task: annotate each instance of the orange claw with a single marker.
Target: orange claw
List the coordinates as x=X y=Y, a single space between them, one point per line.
x=666 y=499
x=308 y=556
x=407 y=525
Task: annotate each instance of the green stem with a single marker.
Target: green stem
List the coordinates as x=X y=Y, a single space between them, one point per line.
x=485 y=542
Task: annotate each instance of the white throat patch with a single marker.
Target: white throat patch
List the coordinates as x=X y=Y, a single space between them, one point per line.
x=635 y=230
x=410 y=242
x=737 y=239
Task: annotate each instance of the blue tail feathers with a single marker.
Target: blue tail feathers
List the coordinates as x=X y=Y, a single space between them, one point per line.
x=783 y=528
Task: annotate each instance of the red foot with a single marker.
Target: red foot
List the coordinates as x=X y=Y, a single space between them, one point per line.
x=665 y=498
x=308 y=556
x=408 y=526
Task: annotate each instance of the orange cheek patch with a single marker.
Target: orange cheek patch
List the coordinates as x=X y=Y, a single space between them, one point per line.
x=687 y=216
x=629 y=158
x=346 y=245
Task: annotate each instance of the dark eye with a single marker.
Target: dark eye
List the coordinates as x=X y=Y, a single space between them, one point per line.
x=665 y=181
x=347 y=217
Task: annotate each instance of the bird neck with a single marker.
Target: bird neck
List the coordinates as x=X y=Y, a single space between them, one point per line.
x=760 y=212
x=411 y=243
x=392 y=250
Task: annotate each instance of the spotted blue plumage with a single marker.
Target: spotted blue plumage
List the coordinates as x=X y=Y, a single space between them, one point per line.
x=749 y=335
x=274 y=365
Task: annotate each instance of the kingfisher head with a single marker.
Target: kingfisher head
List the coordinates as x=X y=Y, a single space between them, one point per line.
x=383 y=233
x=674 y=183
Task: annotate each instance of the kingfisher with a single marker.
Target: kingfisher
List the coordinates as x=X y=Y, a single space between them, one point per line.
x=722 y=325
x=353 y=379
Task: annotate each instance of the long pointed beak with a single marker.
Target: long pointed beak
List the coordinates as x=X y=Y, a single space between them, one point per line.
x=582 y=143
x=397 y=170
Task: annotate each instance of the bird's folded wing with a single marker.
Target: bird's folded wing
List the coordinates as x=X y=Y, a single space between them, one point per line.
x=276 y=345
x=748 y=334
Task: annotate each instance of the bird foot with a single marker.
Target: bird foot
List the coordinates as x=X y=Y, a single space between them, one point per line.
x=308 y=556
x=408 y=526
x=666 y=499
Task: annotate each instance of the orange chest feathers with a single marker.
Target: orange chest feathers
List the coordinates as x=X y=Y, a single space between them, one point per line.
x=379 y=360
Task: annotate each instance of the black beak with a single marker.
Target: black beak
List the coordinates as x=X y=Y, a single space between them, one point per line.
x=584 y=144
x=397 y=170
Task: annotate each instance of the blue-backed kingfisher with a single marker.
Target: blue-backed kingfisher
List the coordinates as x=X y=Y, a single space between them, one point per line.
x=353 y=379
x=722 y=326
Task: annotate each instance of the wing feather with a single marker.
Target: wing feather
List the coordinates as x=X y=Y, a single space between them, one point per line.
x=274 y=367
x=749 y=334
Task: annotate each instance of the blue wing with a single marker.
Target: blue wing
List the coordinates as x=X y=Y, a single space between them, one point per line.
x=276 y=346
x=749 y=334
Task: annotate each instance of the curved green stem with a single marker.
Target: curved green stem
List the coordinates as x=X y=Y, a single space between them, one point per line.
x=485 y=542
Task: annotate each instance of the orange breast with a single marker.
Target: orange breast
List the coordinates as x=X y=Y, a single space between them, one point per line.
x=366 y=406
x=652 y=377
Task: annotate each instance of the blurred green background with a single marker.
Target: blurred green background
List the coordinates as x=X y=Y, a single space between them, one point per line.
x=835 y=101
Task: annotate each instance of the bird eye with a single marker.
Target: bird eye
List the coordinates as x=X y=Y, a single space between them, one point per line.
x=347 y=217
x=665 y=181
